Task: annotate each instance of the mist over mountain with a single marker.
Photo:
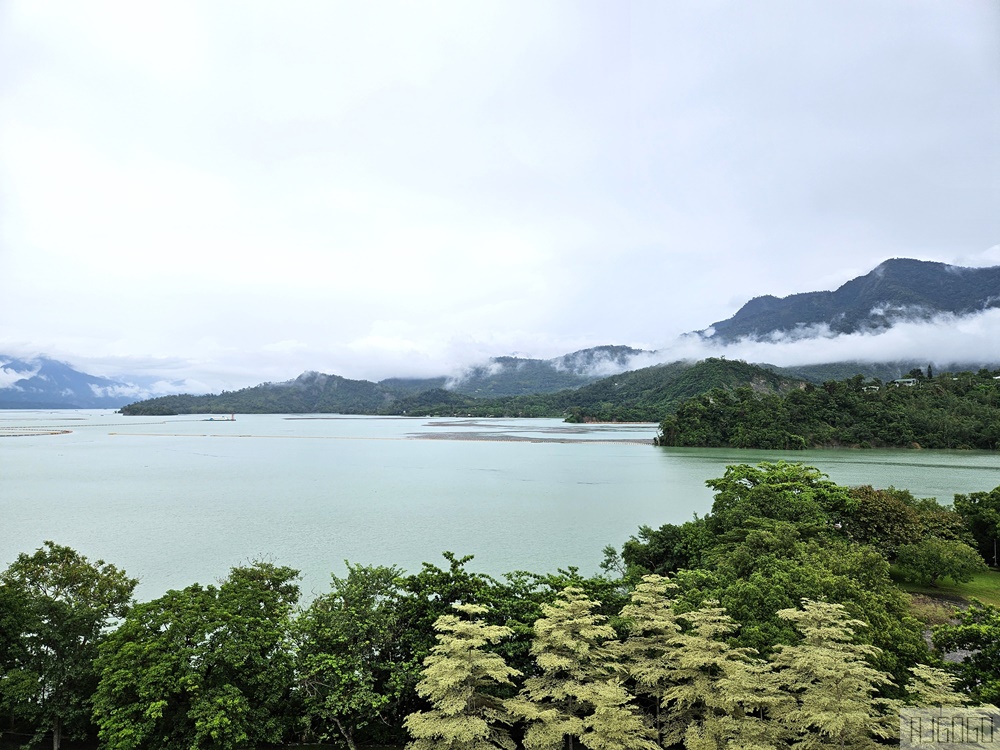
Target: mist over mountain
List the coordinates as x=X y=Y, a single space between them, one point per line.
x=43 y=383
x=898 y=290
x=513 y=376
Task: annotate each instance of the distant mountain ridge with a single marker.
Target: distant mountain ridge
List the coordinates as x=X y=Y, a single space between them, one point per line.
x=639 y=395
x=896 y=290
x=43 y=383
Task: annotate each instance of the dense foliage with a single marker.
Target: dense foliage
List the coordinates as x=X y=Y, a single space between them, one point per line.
x=944 y=411
x=55 y=606
x=751 y=627
x=981 y=511
x=977 y=631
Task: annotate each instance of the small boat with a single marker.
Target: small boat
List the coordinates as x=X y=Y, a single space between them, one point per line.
x=230 y=418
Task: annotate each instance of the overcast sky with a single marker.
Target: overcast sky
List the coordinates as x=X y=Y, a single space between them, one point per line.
x=220 y=193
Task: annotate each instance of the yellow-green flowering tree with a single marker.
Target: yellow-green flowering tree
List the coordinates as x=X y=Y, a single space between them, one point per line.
x=456 y=680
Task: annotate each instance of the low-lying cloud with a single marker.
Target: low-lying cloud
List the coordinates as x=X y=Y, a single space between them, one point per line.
x=943 y=339
x=9 y=376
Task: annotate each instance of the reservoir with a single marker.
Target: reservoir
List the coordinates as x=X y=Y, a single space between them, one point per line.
x=178 y=500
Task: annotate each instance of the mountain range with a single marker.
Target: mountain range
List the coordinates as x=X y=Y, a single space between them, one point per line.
x=43 y=383
x=895 y=291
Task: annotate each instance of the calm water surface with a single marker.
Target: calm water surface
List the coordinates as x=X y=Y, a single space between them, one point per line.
x=179 y=499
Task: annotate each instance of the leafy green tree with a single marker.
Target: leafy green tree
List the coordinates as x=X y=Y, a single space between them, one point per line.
x=432 y=591
x=834 y=686
x=669 y=548
x=778 y=491
x=981 y=512
x=351 y=670
x=769 y=571
x=13 y=647
x=202 y=667
x=60 y=606
x=941 y=522
x=150 y=676
x=931 y=559
x=977 y=632
x=576 y=695
x=776 y=542
x=884 y=519
x=456 y=679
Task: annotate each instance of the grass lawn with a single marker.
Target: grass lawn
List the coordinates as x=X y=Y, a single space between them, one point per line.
x=985 y=587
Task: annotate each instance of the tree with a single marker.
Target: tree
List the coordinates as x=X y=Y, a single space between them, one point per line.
x=669 y=548
x=576 y=695
x=941 y=522
x=13 y=617
x=720 y=694
x=202 y=667
x=762 y=576
x=933 y=687
x=647 y=653
x=776 y=541
x=432 y=591
x=64 y=605
x=833 y=684
x=779 y=491
x=930 y=559
x=884 y=519
x=351 y=670
x=456 y=679
x=978 y=633
x=981 y=513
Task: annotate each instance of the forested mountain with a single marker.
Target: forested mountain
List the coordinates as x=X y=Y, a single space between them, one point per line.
x=635 y=396
x=310 y=392
x=640 y=395
x=43 y=383
x=898 y=289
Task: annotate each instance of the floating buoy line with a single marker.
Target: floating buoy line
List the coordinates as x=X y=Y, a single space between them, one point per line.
x=30 y=431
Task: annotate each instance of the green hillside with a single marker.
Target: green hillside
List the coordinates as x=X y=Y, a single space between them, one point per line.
x=947 y=411
x=311 y=392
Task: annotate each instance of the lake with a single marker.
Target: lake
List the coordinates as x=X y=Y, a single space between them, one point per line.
x=175 y=500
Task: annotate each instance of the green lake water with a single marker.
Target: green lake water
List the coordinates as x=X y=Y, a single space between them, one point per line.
x=176 y=500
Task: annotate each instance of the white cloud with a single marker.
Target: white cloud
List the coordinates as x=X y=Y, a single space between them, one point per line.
x=944 y=339
x=987 y=258
x=121 y=390
x=10 y=376
x=231 y=192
